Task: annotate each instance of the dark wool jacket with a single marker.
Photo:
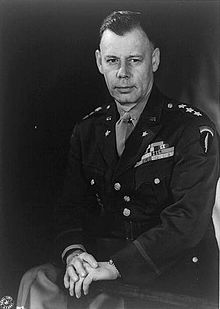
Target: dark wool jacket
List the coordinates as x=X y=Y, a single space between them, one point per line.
x=157 y=198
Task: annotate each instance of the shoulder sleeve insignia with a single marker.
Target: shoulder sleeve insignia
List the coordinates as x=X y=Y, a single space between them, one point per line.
x=206 y=137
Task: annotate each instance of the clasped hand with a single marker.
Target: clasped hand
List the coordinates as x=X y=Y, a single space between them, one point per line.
x=82 y=269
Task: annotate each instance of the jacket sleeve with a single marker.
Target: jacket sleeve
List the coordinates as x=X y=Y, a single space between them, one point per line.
x=185 y=221
x=69 y=211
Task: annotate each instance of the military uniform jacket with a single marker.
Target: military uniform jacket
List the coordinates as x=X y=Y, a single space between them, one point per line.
x=158 y=196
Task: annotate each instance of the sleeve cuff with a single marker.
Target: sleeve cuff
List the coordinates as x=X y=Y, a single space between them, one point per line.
x=134 y=264
x=72 y=247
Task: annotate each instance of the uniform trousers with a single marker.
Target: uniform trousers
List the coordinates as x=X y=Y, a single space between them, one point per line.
x=41 y=288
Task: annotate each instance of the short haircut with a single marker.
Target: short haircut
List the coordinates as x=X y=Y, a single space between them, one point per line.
x=121 y=22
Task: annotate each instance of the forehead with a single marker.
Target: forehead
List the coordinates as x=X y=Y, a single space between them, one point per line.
x=132 y=42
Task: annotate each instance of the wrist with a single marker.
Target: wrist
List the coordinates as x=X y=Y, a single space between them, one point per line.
x=73 y=254
x=71 y=249
x=112 y=264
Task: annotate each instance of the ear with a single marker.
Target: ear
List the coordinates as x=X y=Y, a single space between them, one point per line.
x=155 y=59
x=99 y=60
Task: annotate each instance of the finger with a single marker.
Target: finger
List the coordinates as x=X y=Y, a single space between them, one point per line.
x=66 y=280
x=72 y=274
x=71 y=287
x=86 y=284
x=78 y=265
x=87 y=267
x=89 y=259
x=78 y=287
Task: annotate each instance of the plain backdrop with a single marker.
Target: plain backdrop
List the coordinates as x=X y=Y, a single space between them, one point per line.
x=49 y=79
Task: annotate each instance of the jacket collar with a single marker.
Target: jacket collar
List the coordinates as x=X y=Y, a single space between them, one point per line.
x=153 y=109
x=145 y=130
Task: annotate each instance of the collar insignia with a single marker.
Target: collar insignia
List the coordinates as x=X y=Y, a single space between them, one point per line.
x=145 y=133
x=107 y=133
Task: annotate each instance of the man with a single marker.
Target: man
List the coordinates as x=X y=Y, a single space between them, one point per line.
x=141 y=181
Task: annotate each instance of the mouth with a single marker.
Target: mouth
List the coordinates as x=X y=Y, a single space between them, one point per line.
x=124 y=89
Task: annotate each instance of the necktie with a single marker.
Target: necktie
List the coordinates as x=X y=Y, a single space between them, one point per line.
x=123 y=129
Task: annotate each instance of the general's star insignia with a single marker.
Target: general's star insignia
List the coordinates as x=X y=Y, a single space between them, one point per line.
x=189 y=109
x=182 y=105
x=107 y=133
x=144 y=133
x=197 y=114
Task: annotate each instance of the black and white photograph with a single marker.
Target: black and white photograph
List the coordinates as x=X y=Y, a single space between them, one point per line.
x=109 y=154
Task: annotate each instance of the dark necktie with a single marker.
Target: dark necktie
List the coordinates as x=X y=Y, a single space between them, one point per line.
x=123 y=129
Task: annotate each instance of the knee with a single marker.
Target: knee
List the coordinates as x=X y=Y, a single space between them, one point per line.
x=48 y=271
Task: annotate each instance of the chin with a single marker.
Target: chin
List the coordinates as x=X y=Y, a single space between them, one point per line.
x=127 y=101
x=124 y=102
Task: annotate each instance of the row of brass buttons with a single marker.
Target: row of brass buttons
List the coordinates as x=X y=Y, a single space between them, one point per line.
x=117 y=187
x=127 y=211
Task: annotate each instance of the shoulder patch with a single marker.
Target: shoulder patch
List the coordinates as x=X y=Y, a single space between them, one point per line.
x=206 y=137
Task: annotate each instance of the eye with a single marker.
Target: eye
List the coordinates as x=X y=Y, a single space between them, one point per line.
x=112 y=60
x=135 y=60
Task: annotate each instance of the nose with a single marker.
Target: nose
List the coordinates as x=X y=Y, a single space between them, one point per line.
x=123 y=71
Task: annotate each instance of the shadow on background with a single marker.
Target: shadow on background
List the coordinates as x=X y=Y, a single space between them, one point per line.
x=48 y=80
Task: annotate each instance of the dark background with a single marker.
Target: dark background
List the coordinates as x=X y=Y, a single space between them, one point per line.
x=48 y=80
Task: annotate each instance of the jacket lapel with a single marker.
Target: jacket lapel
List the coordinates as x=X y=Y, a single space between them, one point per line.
x=145 y=131
x=107 y=142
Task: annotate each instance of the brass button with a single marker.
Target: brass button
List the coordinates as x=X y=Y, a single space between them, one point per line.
x=126 y=212
x=156 y=181
x=170 y=105
x=92 y=182
x=117 y=186
x=195 y=259
x=127 y=198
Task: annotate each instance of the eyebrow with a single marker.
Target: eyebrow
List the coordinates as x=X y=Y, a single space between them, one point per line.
x=130 y=56
x=135 y=56
x=110 y=56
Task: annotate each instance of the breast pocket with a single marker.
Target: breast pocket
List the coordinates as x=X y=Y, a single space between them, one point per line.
x=153 y=178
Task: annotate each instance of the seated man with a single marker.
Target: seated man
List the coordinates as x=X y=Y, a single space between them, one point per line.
x=140 y=187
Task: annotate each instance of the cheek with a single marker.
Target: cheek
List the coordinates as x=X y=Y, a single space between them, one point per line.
x=144 y=78
x=109 y=78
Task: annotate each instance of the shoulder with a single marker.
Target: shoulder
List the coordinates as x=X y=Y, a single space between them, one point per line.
x=173 y=107
x=184 y=114
x=192 y=123
x=97 y=112
x=95 y=120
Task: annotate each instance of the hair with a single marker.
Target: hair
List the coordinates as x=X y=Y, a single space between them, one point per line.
x=121 y=22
